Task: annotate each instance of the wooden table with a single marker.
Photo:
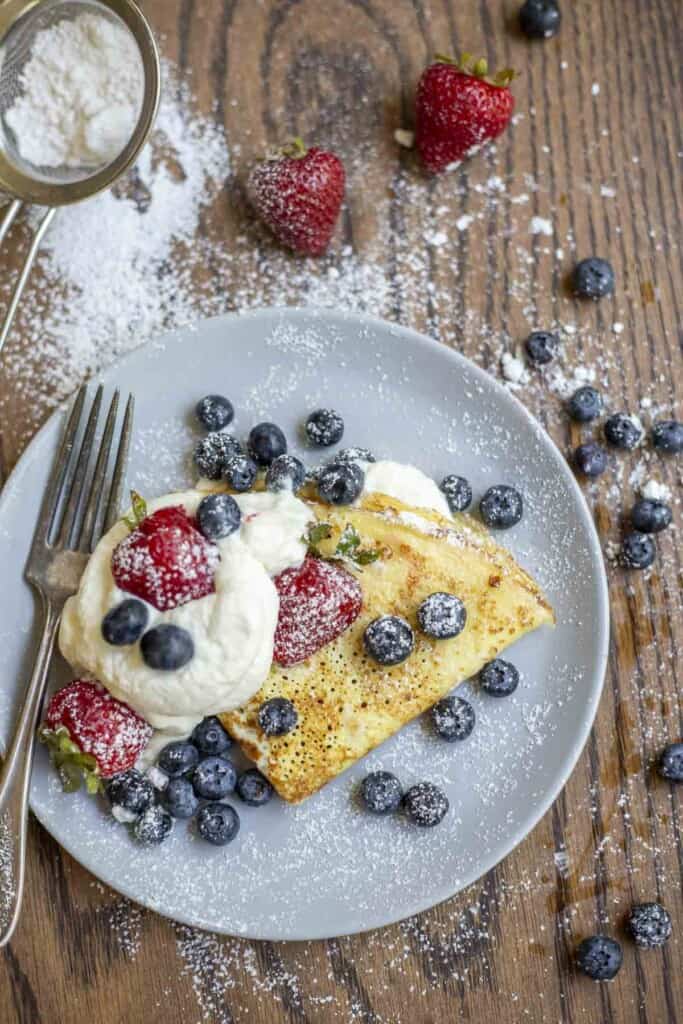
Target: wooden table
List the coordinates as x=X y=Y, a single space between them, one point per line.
x=599 y=140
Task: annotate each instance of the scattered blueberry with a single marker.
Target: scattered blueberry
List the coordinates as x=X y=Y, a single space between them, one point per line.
x=671 y=762
x=210 y=738
x=638 y=550
x=453 y=718
x=425 y=804
x=442 y=616
x=214 y=412
x=253 y=788
x=389 y=639
x=179 y=798
x=622 y=432
x=458 y=492
x=125 y=623
x=540 y=19
x=277 y=716
x=178 y=758
x=650 y=516
x=167 y=647
x=240 y=473
x=585 y=404
x=266 y=442
x=590 y=458
x=649 y=924
x=499 y=678
x=667 y=436
x=593 y=278
x=214 y=778
x=501 y=507
x=599 y=957
x=340 y=483
x=542 y=347
x=218 y=823
x=212 y=453
x=218 y=516
x=354 y=454
x=153 y=825
x=381 y=793
x=285 y=473
x=130 y=789
x=324 y=427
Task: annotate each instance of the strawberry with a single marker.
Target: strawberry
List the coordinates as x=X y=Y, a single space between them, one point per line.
x=298 y=194
x=91 y=734
x=165 y=560
x=318 y=602
x=458 y=109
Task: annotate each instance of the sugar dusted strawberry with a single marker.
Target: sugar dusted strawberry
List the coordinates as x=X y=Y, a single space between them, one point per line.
x=458 y=109
x=92 y=735
x=318 y=602
x=298 y=194
x=165 y=560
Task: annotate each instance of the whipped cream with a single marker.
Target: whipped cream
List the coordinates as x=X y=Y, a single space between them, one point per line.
x=406 y=483
x=232 y=629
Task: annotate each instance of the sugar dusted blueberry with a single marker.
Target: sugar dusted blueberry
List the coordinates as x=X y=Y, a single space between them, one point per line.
x=671 y=762
x=667 y=436
x=590 y=459
x=442 y=616
x=542 y=347
x=239 y=472
x=622 y=432
x=650 y=925
x=389 y=640
x=178 y=758
x=179 y=798
x=593 y=278
x=425 y=804
x=501 y=507
x=340 y=483
x=638 y=550
x=285 y=473
x=585 y=404
x=210 y=738
x=214 y=778
x=324 y=427
x=277 y=716
x=218 y=823
x=130 y=790
x=253 y=788
x=218 y=516
x=212 y=453
x=381 y=793
x=458 y=492
x=499 y=678
x=599 y=957
x=354 y=454
x=453 y=718
x=214 y=412
x=153 y=826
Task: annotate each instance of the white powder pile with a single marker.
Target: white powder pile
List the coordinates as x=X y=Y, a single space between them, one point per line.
x=80 y=94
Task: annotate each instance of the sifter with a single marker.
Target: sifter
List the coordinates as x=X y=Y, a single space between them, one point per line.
x=51 y=187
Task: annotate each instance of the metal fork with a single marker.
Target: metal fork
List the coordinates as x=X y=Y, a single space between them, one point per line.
x=76 y=510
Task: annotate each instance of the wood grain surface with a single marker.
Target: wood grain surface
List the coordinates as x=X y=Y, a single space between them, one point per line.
x=602 y=166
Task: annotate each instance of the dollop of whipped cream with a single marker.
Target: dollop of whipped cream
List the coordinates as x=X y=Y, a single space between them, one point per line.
x=406 y=483
x=232 y=629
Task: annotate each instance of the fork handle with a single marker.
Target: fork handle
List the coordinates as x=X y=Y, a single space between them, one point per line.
x=15 y=780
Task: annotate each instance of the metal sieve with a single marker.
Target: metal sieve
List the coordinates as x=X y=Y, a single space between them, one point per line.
x=51 y=187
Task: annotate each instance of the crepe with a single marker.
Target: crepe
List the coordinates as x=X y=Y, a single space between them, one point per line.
x=346 y=702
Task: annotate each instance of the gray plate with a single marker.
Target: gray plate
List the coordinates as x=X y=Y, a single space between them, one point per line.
x=324 y=868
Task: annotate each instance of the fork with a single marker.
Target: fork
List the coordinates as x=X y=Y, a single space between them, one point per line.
x=76 y=510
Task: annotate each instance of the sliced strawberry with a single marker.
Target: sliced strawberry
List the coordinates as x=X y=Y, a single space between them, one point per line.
x=92 y=734
x=165 y=561
x=318 y=602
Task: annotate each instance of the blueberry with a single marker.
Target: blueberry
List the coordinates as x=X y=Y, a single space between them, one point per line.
x=458 y=492
x=209 y=737
x=542 y=347
x=253 y=788
x=671 y=762
x=218 y=516
x=218 y=823
x=442 y=616
x=354 y=454
x=499 y=678
x=381 y=793
x=167 y=647
x=340 y=483
x=638 y=550
x=622 y=432
x=590 y=458
x=501 y=507
x=212 y=453
x=540 y=19
x=599 y=957
x=214 y=412
x=131 y=790
x=179 y=798
x=285 y=473
x=593 y=278
x=649 y=924
x=266 y=442
x=425 y=804
x=214 y=778
x=239 y=472
x=667 y=436
x=650 y=516
x=585 y=404
x=153 y=826
x=453 y=718
x=178 y=758
x=389 y=639
x=277 y=716
x=125 y=623
x=324 y=427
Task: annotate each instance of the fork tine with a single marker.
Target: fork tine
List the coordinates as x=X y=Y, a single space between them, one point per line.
x=75 y=490
x=87 y=532
x=53 y=491
x=119 y=479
